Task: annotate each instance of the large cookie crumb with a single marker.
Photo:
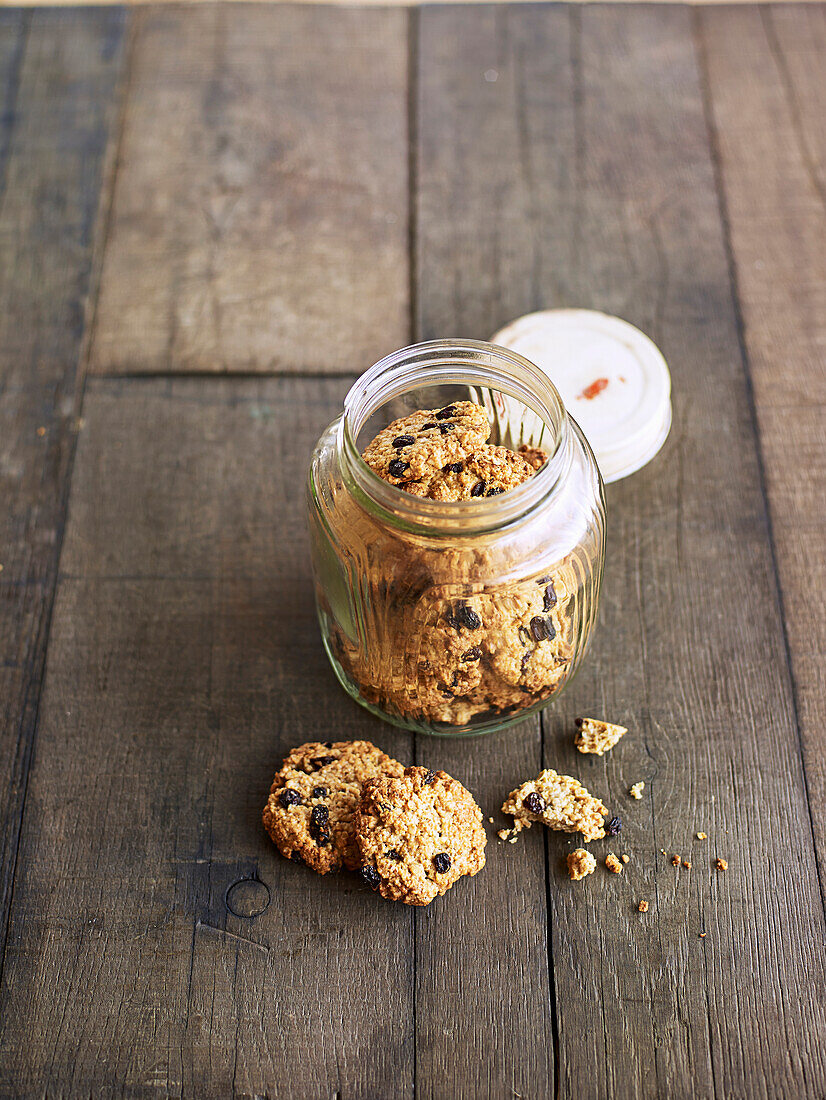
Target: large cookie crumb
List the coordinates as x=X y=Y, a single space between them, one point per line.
x=595 y=736
x=559 y=802
x=580 y=863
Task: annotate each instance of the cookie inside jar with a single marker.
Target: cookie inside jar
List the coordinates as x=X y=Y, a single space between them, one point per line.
x=467 y=535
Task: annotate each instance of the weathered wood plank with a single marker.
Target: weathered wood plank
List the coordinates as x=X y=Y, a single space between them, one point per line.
x=260 y=216
x=484 y=1016
x=184 y=659
x=59 y=73
x=767 y=90
x=564 y=160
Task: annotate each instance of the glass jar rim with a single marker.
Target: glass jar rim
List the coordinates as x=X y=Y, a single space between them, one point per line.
x=442 y=362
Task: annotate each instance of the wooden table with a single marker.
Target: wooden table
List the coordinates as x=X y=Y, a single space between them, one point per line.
x=211 y=220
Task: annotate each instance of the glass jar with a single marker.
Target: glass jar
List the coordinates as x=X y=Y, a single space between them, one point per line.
x=456 y=618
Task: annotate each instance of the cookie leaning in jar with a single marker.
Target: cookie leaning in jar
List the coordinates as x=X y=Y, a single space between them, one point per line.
x=421 y=444
x=417 y=834
x=314 y=797
x=488 y=472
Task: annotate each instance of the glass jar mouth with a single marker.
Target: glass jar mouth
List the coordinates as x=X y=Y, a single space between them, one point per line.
x=455 y=362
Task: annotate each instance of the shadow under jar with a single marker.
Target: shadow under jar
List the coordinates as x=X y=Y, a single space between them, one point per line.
x=456 y=618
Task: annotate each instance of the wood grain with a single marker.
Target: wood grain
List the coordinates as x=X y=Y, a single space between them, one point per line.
x=562 y=156
x=768 y=104
x=184 y=660
x=260 y=215
x=601 y=193
x=59 y=73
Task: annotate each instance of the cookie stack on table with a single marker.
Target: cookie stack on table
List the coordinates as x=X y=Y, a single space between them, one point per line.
x=411 y=833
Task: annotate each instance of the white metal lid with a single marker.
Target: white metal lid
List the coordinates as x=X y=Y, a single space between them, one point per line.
x=612 y=379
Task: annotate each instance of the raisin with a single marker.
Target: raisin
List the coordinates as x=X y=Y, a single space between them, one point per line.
x=319 y=817
x=453 y=468
x=394 y=854
x=370 y=876
x=468 y=617
x=542 y=629
x=321 y=762
x=289 y=797
x=474 y=654
x=534 y=802
x=578 y=723
x=524 y=635
x=549 y=599
x=403 y=441
x=494 y=492
x=328 y=744
x=320 y=792
x=441 y=861
x=319 y=820
x=296 y=857
x=430 y=778
x=397 y=467
x=445 y=428
x=429 y=425
x=448 y=410
x=613 y=827
x=524 y=663
x=478 y=489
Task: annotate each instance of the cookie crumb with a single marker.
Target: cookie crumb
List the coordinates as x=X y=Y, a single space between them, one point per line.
x=625 y=858
x=595 y=736
x=702 y=935
x=613 y=864
x=675 y=860
x=721 y=865
x=636 y=790
x=490 y=819
x=687 y=864
x=504 y=834
x=702 y=836
x=41 y=432
x=643 y=907
x=559 y=802
x=580 y=863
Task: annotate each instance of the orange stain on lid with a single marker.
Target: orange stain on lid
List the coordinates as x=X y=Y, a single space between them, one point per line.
x=593 y=390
